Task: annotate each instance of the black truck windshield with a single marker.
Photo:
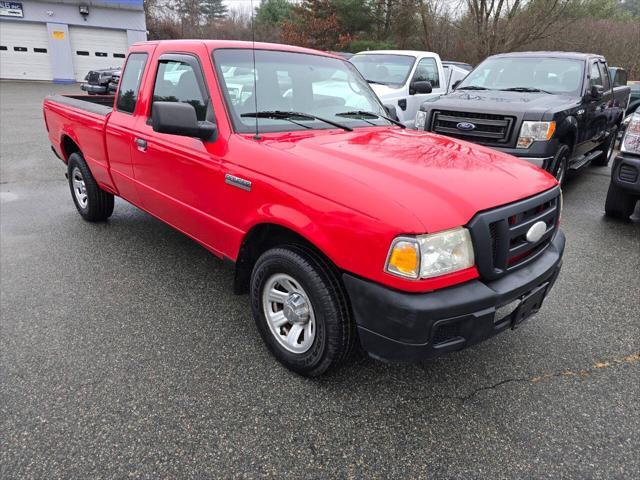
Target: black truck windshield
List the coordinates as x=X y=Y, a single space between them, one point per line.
x=527 y=74
x=294 y=91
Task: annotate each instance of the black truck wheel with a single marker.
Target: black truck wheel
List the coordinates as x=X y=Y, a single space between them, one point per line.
x=607 y=150
x=561 y=164
x=93 y=203
x=620 y=204
x=301 y=310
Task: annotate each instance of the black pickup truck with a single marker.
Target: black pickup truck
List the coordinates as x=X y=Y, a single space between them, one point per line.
x=558 y=110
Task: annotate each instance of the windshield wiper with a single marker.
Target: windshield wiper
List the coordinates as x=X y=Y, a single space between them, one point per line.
x=376 y=82
x=524 y=89
x=472 y=87
x=362 y=113
x=283 y=115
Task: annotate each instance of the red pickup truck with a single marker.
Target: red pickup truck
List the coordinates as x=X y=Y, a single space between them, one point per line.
x=344 y=227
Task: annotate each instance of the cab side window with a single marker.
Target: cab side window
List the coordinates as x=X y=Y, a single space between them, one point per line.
x=177 y=81
x=130 y=83
x=595 y=77
x=427 y=71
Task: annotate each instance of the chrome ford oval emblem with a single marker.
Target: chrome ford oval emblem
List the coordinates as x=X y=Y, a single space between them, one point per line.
x=536 y=232
x=466 y=126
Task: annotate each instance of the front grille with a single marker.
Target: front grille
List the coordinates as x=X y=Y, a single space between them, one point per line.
x=628 y=173
x=499 y=235
x=489 y=129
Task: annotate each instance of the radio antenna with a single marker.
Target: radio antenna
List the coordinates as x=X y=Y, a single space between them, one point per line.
x=255 y=75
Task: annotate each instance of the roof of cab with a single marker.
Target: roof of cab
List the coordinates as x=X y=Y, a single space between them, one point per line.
x=569 y=55
x=218 y=44
x=413 y=53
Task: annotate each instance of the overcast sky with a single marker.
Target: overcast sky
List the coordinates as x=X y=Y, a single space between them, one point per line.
x=242 y=4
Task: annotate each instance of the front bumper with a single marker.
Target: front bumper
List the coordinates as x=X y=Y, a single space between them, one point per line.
x=88 y=87
x=400 y=326
x=625 y=172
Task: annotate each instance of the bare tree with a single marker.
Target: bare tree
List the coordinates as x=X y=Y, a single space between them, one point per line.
x=506 y=25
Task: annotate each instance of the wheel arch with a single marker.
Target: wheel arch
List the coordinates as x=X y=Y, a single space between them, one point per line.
x=568 y=133
x=260 y=238
x=68 y=146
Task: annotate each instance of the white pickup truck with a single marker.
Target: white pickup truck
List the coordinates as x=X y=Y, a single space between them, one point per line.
x=406 y=78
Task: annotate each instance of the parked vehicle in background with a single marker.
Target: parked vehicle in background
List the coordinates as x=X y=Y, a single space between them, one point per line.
x=624 y=189
x=402 y=78
x=102 y=82
x=343 y=226
x=454 y=73
x=557 y=110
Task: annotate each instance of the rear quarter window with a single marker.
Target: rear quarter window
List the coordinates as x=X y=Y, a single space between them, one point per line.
x=130 y=82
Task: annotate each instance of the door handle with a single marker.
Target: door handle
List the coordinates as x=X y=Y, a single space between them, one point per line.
x=141 y=144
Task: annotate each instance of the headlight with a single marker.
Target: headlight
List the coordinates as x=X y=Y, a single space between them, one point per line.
x=427 y=256
x=421 y=119
x=631 y=139
x=535 y=131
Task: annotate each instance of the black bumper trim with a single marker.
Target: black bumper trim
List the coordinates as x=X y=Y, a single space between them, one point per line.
x=400 y=326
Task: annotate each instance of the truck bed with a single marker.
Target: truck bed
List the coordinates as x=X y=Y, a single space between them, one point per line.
x=78 y=122
x=98 y=104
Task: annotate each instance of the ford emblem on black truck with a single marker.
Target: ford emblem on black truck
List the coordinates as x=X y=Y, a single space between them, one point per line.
x=466 y=126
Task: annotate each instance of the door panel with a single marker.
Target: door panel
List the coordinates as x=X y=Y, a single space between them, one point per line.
x=179 y=178
x=120 y=127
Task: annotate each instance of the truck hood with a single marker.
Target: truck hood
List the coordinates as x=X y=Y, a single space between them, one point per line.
x=384 y=91
x=495 y=101
x=441 y=181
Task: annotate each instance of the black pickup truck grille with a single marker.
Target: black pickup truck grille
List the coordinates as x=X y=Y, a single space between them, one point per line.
x=499 y=235
x=488 y=129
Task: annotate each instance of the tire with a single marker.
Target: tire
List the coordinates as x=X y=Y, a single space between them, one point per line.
x=619 y=204
x=607 y=150
x=93 y=203
x=301 y=278
x=561 y=164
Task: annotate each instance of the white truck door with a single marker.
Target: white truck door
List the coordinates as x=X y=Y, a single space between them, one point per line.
x=427 y=69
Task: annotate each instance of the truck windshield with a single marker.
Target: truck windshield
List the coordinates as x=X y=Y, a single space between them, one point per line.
x=526 y=74
x=385 y=69
x=316 y=90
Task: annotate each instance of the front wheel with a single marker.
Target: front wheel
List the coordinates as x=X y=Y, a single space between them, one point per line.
x=560 y=164
x=619 y=204
x=607 y=150
x=301 y=310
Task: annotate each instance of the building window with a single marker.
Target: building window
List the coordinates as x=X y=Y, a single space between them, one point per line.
x=82 y=53
x=40 y=50
x=118 y=55
x=19 y=49
x=101 y=54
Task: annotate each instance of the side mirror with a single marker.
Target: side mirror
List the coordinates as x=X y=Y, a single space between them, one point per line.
x=455 y=84
x=177 y=118
x=391 y=112
x=420 y=87
x=596 y=91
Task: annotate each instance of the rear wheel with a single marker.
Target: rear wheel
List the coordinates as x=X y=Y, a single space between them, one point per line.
x=607 y=150
x=93 y=203
x=619 y=204
x=301 y=310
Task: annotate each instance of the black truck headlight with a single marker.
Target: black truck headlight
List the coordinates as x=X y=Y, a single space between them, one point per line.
x=535 y=132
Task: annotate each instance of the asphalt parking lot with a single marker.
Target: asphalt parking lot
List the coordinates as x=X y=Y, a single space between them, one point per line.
x=124 y=353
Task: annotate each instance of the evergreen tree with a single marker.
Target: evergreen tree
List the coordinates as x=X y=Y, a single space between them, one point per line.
x=211 y=10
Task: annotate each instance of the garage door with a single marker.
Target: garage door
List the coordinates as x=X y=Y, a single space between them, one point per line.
x=96 y=48
x=24 y=51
